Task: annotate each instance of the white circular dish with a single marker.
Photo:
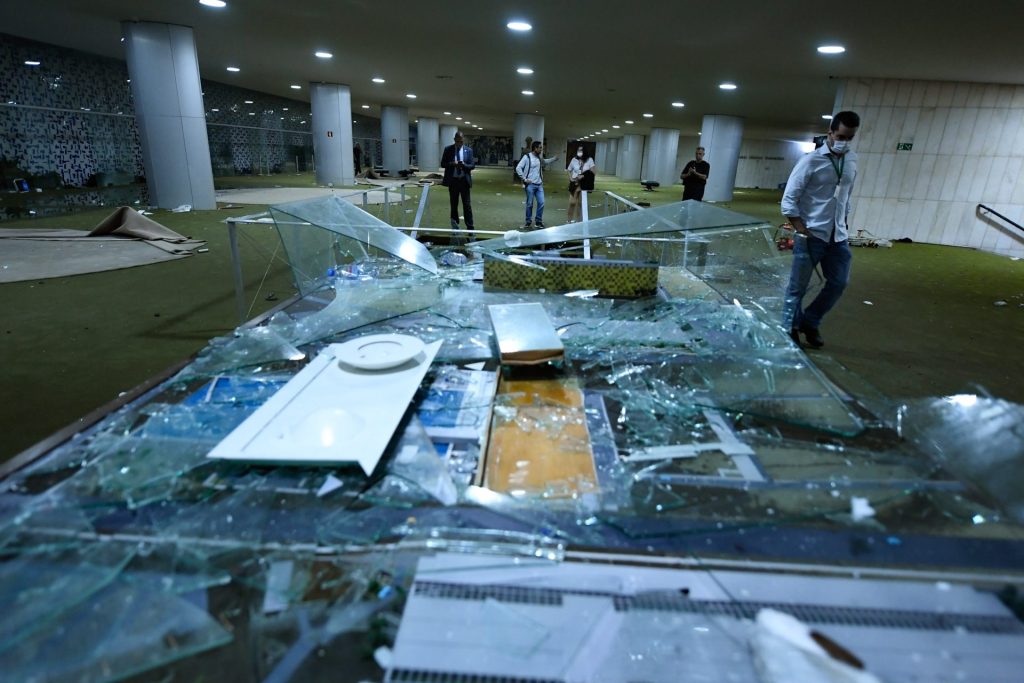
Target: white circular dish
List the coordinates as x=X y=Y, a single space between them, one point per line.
x=379 y=351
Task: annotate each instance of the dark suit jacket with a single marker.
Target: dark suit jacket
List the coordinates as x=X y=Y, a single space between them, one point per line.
x=448 y=163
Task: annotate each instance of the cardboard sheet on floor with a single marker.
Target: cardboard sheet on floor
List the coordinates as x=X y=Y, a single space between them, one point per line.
x=539 y=440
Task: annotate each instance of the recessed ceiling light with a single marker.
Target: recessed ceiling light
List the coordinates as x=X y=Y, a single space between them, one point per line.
x=527 y=92
x=377 y=79
x=247 y=102
x=31 y=62
x=233 y=69
x=252 y=113
x=604 y=130
x=525 y=70
x=284 y=108
x=831 y=49
x=447 y=113
x=614 y=126
x=410 y=96
x=323 y=54
x=301 y=121
x=295 y=87
x=458 y=118
x=366 y=106
x=677 y=105
x=213 y=3
x=727 y=86
x=629 y=122
x=518 y=25
x=827 y=117
x=648 y=116
x=215 y=110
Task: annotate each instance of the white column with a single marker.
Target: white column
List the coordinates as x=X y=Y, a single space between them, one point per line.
x=428 y=154
x=612 y=159
x=630 y=157
x=526 y=125
x=662 y=146
x=447 y=136
x=168 y=96
x=721 y=137
x=601 y=156
x=394 y=138
x=330 y=105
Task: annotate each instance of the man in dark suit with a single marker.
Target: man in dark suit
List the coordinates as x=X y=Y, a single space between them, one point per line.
x=457 y=161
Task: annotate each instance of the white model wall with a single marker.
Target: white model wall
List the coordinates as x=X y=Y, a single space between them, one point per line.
x=968 y=148
x=767 y=163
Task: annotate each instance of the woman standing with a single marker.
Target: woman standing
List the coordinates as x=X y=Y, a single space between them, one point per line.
x=581 y=177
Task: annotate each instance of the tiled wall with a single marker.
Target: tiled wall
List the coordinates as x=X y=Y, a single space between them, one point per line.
x=968 y=148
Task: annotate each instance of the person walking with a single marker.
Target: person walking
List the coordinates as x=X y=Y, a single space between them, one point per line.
x=458 y=164
x=530 y=170
x=817 y=204
x=581 y=178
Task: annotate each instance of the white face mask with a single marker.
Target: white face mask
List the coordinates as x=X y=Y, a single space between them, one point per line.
x=840 y=146
x=579 y=155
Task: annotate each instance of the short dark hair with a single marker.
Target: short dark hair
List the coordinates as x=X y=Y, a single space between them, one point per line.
x=701 y=149
x=846 y=118
x=536 y=144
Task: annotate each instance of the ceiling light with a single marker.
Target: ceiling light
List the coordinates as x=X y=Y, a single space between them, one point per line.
x=604 y=130
x=629 y=122
x=831 y=49
x=678 y=105
x=284 y=108
x=525 y=70
x=527 y=92
x=366 y=106
x=727 y=86
x=31 y=62
x=377 y=79
x=215 y=110
x=458 y=118
x=252 y=113
x=247 y=102
x=233 y=69
x=447 y=113
x=301 y=121
x=827 y=117
x=518 y=26
x=468 y=122
x=213 y=3
x=323 y=55
x=410 y=96
x=648 y=116
x=614 y=126
x=295 y=87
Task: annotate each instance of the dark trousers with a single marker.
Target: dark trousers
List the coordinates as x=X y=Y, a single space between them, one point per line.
x=459 y=187
x=693 y=192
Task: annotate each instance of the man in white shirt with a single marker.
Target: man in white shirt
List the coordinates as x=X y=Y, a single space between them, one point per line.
x=817 y=203
x=530 y=170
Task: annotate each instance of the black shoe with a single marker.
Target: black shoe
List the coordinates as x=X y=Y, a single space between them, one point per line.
x=794 y=334
x=812 y=336
x=528 y=226
x=539 y=225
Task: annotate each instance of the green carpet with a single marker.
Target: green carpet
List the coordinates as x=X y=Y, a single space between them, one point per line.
x=72 y=344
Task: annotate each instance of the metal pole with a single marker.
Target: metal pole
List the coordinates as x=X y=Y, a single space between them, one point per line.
x=424 y=197
x=586 y=223
x=236 y=267
x=365 y=193
x=387 y=213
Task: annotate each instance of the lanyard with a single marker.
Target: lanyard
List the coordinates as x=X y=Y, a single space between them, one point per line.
x=838 y=168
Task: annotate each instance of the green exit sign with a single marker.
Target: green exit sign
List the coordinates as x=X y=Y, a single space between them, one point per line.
x=904 y=146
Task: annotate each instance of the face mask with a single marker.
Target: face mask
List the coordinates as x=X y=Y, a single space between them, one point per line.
x=579 y=155
x=840 y=146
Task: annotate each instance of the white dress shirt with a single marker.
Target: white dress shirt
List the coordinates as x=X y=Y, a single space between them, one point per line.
x=818 y=196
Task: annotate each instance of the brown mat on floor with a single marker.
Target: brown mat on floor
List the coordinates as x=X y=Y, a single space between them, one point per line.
x=124 y=239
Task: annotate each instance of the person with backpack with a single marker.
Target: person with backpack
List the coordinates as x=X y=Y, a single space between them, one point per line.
x=581 y=178
x=530 y=171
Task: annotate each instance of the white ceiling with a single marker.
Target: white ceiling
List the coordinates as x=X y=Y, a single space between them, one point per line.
x=596 y=63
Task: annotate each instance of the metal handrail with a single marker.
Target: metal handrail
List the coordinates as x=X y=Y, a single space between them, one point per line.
x=993 y=211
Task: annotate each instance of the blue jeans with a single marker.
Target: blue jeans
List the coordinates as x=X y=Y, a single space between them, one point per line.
x=534 y=191
x=835 y=258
